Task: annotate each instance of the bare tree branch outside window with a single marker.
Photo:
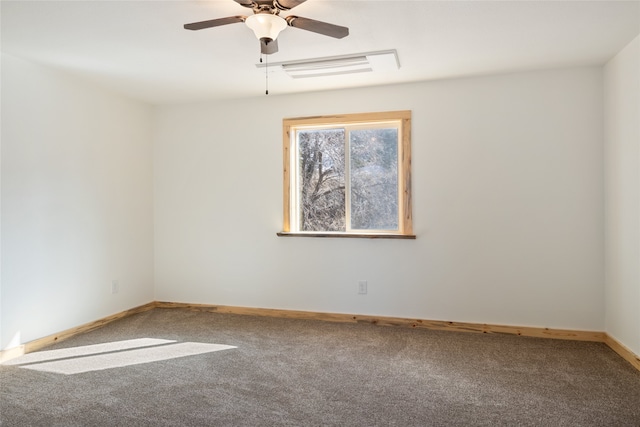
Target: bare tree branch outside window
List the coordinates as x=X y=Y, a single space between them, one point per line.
x=322 y=181
x=374 y=179
x=373 y=155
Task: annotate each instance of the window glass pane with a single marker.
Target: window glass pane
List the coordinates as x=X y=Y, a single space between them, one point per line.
x=321 y=181
x=374 y=179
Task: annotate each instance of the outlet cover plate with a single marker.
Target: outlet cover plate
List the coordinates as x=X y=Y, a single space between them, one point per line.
x=362 y=287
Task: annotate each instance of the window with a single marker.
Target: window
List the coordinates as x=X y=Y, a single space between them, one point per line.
x=348 y=175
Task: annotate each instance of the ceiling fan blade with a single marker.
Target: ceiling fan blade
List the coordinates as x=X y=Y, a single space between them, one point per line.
x=319 y=27
x=287 y=4
x=214 y=22
x=267 y=47
x=245 y=3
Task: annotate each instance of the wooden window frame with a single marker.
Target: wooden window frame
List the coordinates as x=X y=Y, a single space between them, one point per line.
x=405 y=226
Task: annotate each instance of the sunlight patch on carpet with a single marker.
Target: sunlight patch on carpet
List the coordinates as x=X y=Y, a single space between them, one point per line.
x=97 y=357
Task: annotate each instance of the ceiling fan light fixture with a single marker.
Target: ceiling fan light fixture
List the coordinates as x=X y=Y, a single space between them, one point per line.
x=266 y=25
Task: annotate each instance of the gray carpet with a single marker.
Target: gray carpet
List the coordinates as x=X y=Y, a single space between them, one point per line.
x=183 y=368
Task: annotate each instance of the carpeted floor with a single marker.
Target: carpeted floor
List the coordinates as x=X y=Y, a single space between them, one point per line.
x=184 y=368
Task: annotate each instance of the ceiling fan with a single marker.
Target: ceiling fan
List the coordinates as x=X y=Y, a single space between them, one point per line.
x=267 y=23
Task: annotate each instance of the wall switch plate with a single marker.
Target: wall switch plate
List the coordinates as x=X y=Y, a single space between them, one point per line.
x=115 y=286
x=362 y=287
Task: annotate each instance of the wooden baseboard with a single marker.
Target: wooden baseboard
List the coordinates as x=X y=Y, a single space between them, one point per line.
x=397 y=321
x=623 y=351
x=39 y=343
x=525 y=331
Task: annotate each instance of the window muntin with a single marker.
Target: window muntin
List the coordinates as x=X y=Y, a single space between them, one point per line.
x=350 y=175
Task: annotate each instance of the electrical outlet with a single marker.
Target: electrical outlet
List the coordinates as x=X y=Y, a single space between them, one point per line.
x=115 y=286
x=362 y=287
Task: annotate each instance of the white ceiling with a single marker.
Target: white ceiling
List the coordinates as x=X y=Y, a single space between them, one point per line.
x=140 y=48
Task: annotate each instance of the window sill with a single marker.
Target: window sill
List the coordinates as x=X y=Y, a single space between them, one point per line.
x=349 y=235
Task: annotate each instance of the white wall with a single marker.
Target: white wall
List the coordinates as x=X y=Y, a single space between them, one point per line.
x=622 y=202
x=76 y=202
x=508 y=205
x=507 y=189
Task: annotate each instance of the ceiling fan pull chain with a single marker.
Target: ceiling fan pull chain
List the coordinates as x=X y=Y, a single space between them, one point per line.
x=266 y=74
